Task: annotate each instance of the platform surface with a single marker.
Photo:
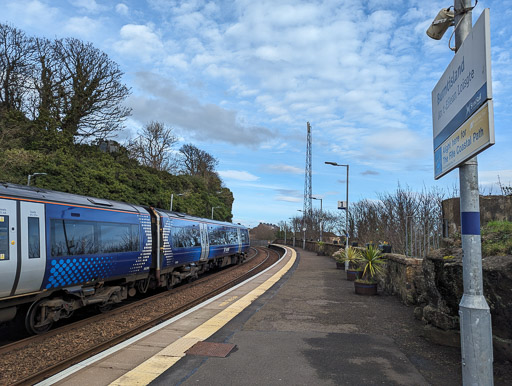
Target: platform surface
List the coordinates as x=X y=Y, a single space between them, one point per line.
x=312 y=329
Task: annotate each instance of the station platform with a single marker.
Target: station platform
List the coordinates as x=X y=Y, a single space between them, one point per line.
x=299 y=323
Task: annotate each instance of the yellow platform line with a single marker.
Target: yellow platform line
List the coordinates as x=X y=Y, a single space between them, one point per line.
x=149 y=370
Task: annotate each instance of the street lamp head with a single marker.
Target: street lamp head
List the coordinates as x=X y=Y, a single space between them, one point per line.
x=331 y=163
x=443 y=20
x=34 y=175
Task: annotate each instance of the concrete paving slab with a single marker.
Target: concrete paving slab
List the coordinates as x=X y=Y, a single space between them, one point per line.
x=312 y=329
x=307 y=358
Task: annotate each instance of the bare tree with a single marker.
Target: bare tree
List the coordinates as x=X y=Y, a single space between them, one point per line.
x=48 y=78
x=15 y=67
x=152 y=147
x=68 y=81
x=197 y=162
x=90 y=91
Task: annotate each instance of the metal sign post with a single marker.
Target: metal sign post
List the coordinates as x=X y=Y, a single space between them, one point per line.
x=475 y=317
x=462 y=113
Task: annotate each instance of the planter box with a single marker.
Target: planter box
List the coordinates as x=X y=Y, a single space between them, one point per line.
x=385 y=248
x=340 y=265
x=365 y=289
x=353 y=275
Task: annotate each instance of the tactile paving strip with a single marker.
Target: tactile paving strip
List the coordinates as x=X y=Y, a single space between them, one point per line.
x=211 y=349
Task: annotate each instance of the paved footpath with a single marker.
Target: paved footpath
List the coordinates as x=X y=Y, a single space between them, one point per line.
x=312 y=329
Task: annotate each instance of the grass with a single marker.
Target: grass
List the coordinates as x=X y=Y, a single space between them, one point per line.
x=497 y=238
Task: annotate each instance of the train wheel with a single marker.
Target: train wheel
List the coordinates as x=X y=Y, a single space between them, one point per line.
x=104 y=307
x=34 y=317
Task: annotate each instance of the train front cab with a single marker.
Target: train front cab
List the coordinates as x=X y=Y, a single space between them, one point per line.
x=22 y=252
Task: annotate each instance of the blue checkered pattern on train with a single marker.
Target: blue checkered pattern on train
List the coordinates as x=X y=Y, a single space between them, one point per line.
x=78 y=270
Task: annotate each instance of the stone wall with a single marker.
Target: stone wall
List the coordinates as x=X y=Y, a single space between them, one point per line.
x=402 y=277
x=438 y=303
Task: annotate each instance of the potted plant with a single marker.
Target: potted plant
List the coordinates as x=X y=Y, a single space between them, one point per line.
x=385 y=247
x=339 y=256
x=352 y=256
x=372 y=264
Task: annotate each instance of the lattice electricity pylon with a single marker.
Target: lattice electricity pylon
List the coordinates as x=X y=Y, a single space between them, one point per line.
x=308 y=190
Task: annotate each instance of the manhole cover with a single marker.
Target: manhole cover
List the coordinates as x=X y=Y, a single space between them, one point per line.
x=211 y=349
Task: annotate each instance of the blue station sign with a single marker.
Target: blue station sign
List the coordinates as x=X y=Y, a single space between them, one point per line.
x=462 y=90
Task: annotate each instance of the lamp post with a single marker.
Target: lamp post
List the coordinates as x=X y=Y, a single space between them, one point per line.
x=34 y=175
x=346 y=209
x=321 y=215
x=303 y=229
x=172 y=198
x=293 y=225
x=214 y=207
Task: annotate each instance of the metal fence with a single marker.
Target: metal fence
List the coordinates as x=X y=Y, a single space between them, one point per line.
x=260 y=243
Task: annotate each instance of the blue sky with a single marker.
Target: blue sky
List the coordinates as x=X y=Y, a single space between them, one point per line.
x=240 y=79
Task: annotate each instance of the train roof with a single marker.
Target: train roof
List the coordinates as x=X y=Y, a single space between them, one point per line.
x=40 y=194
x=184 y=216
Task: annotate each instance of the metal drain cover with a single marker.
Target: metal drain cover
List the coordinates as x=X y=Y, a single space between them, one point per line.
x=211 y=349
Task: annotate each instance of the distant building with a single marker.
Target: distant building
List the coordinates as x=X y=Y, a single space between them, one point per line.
x=263 y=232
x=108 y=146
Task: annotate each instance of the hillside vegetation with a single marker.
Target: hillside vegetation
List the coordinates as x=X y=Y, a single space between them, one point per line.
x=61 y=101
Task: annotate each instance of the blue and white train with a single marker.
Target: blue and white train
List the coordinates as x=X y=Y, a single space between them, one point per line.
x=60 y=252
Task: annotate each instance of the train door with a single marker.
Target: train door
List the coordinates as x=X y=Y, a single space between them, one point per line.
x=239 y=238
x=33 y=251
x=8 y=246
x=205 y=248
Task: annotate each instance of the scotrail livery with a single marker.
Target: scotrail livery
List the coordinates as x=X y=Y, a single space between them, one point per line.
x=60 y=252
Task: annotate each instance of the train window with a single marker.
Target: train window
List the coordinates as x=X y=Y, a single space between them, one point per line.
x=118 y=237
x=218 y=235
x=185 y=236
x=71 y=237
x=232 y=236
x=245 y=236
x=4 y=237
x=34 y=250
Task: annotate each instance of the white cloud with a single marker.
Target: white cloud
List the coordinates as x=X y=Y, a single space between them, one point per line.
x=238 y=175
x=81 y=26
x=284 y=169
x=288 y=198
x=488 y=177
x=139 y=41
x=88 y=5
x=203 y=122
x=31 y=13
x=122 y=9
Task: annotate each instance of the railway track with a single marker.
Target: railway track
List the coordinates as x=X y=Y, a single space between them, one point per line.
x=35 y=358
x=127 y=305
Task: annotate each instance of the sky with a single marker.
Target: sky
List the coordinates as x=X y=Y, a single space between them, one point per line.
x=241 y=79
